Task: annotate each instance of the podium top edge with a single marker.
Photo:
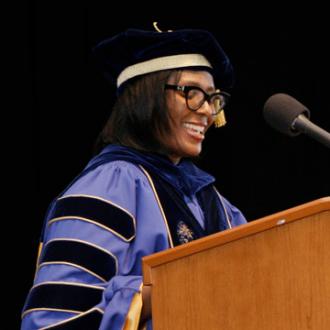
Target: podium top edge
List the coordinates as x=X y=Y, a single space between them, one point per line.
x=255 y=226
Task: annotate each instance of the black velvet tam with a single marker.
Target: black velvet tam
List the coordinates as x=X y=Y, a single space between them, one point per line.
x=136 y=52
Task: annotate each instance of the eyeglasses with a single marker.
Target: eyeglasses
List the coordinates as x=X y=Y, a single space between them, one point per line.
x=195 y=98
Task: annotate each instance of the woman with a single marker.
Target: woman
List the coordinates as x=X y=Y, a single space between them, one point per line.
x=141 y=194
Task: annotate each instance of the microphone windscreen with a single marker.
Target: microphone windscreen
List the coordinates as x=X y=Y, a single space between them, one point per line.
x=280 y=111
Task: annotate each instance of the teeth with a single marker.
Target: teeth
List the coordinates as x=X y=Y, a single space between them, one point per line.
x=193 y=127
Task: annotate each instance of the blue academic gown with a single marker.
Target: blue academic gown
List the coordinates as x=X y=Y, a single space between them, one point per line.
x=116 y=211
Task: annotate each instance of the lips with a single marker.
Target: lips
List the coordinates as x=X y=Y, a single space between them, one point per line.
x=197 y=128
x=195 y=131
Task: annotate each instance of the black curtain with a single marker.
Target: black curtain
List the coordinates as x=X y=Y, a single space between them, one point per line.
x=257 y=169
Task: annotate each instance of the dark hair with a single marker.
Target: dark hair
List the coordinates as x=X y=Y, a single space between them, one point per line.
x=139 y=118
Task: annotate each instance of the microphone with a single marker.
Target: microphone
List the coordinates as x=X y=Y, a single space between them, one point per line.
x=289 y=116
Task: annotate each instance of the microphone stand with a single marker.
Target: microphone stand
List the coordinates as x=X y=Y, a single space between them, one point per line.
x=303 y=125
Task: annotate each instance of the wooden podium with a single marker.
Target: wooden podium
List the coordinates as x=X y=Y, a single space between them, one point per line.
x=272 y=273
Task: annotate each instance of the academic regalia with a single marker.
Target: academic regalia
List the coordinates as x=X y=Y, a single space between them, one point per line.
x=123 y=206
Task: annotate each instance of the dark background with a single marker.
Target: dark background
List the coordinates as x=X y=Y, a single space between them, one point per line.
x=273 y=49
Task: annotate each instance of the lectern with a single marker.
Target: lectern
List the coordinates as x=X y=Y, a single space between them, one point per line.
x=272 y=273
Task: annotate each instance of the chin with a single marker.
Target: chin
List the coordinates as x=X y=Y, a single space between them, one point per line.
x=187 y=151
x=193 y=152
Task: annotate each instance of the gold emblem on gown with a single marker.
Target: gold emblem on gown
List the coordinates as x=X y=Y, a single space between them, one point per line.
x=185 y=234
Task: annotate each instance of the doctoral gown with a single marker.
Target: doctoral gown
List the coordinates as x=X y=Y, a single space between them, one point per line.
x=124 y=205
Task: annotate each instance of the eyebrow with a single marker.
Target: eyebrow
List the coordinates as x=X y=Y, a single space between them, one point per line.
x=210 y=89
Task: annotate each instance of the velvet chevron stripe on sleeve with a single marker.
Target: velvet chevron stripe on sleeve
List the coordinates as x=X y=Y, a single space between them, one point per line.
x=83 y=254
x=97 y=210
x=64 y=296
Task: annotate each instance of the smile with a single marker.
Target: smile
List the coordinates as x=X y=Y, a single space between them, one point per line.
x=196 y=128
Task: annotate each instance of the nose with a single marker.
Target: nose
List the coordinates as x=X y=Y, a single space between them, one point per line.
x=206 y=109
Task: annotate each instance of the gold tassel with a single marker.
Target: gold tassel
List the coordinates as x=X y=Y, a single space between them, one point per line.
x=158 y=29
x=220 y=119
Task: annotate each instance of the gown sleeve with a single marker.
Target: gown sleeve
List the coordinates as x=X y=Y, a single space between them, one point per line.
x=236 y=217
x=89 y=271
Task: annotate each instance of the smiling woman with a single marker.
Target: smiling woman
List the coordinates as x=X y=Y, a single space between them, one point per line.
x=188 y=127
x=141 y=193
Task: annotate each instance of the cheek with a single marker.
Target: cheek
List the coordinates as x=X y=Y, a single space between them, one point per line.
x=177 y=112
x=210 y=121
x=171 y=101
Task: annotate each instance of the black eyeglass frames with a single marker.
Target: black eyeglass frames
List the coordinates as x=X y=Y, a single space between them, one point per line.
x=196 y=96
